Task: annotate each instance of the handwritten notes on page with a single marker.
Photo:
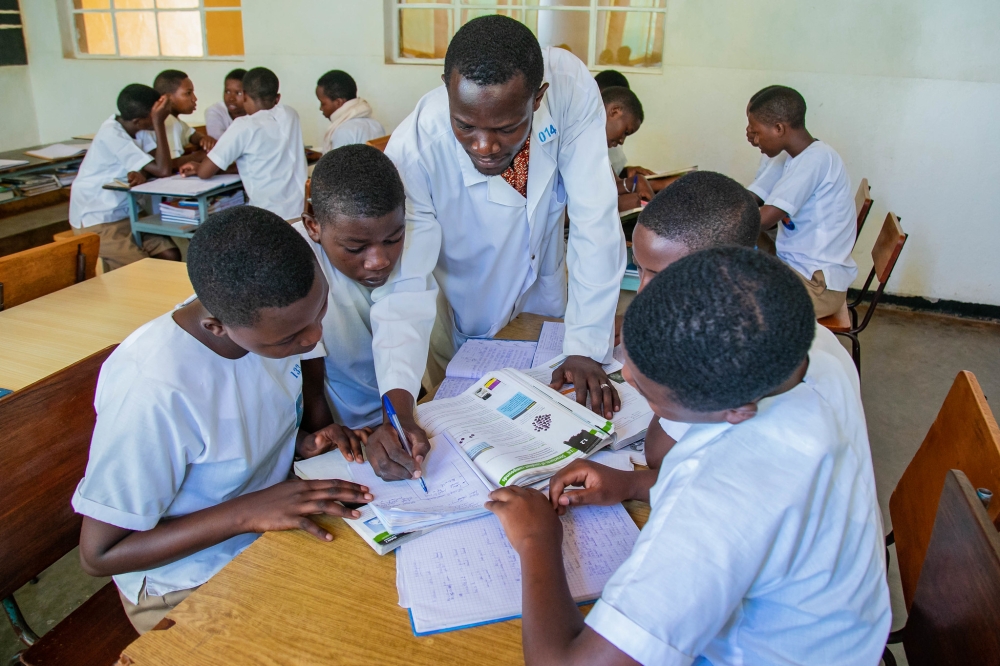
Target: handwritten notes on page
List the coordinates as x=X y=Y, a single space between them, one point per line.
x=477 y=357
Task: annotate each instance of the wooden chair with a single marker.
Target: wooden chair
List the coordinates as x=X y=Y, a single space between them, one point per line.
x=41 y=270
x=888 y=245
x=955 y=616
x=380 y=142
x=862 y=205
x=45 y=432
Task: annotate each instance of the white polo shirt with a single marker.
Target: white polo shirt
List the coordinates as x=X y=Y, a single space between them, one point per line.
x=351 y=388
x=268 y=151
x=764 y=543
x=814 y=189
x=178 y=135
x=112 y=155
x=355 y=130
x=217 y=120
x=180 y=429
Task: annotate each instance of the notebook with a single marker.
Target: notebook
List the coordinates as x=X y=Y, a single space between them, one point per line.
x=477 y=357
x=675 y=172
x=9 y=164
x=179 y=186
x=59 y=151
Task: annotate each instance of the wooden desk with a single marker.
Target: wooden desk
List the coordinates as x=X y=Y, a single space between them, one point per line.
x=52 y=332
x=292 y=599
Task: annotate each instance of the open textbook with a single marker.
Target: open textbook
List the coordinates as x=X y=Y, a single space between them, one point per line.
x=673 y=172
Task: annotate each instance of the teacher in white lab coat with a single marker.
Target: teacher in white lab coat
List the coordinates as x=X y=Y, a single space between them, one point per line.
x=491 y=162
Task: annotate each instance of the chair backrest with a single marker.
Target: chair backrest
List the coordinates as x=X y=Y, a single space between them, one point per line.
x=862 y=204
x=888 y=245
x=309 y=204
x=45 y=432
x=964 y=436
x=955 y=616
x=41 y=270
x=380 y=142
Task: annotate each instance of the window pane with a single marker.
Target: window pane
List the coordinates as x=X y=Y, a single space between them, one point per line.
x=177 y=4
x=224 y=32
x=133 y=4
x=630 y=39
x=136 y=33
x=12 y=51
x=94 y=35
x=530 y=3
x=566 y=29
x=424 y=33
x=637 y=4
x=180 y=33
x=223 y=3
x=91 y=4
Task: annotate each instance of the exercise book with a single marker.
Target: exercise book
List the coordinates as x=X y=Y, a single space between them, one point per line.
x=179 y=186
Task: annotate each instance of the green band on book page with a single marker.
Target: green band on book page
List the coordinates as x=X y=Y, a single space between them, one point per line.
x=551 y=461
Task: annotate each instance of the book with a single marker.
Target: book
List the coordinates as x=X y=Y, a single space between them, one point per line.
x=179 y=186
x=477 y=357
x=187 y=211
x=9 y=164
x=59 y=151
x=675 y=172
x=33 y=184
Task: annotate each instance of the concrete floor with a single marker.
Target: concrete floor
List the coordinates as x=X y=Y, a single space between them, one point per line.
x=909 y=363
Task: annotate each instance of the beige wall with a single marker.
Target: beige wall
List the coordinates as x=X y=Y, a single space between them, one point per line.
x=18 y=127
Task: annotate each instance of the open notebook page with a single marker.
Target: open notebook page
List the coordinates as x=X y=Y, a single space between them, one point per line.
x=477 y=357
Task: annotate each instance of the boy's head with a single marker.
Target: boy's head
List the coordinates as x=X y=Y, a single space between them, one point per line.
x=259 y=280
x=715 y=332
x=135 y=103
x=357 y=198
x=493 y=71
x=610 y=78
x=176 y=84
x=624 y=114
x=334 y=89
x=774 y=114
x=700 y=210
x=232 y=94
x=260 y=90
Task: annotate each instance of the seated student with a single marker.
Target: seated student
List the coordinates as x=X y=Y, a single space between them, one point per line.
x=356 y=232
x=764 y=540
x=803 y=184
x=176 y=85
x=266 y=145
x=121 y=151
x=624 y=117
x=350 y=116
x=619 y=162
x=221 y=115
x=198 y=418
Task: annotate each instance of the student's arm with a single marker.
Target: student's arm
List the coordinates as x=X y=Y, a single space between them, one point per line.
x=202 y=141
x=316 y=411
x=599 y=484
x=770 y=216
x=161 y=166
x=224 y=154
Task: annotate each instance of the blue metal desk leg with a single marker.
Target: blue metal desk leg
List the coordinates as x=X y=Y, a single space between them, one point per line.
x=133 y=218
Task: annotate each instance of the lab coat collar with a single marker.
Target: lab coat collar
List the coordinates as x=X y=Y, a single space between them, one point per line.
x=497 y=189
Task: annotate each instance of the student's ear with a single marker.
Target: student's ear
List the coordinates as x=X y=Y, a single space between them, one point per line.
x=312 y=226
x=741 y=413
x=214 y=326
x=613 y=111
x=780 y=129
x=277 y=98
x=538 y=96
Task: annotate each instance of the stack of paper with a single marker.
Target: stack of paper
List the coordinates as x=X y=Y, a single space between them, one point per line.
x=477 y=357
x=59 y=151
x=179 y=186
x=8 y=164
x=186 y=211
x=468 y=574
x=30 y=185
x=673 y=172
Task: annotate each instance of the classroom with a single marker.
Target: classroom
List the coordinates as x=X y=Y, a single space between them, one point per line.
x=326 y=337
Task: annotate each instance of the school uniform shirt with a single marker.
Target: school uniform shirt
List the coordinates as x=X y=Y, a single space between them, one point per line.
x=217 y=120
x=355 y=130
x=351 y=388
x=764 y=541
x=112 y=155
x=268 y=151
x=813 y=188
x=180 y=429
x=618 y=160
x=178 y=135
x=496 y=253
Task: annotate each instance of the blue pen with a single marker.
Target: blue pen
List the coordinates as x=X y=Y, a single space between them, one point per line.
x=394 y=420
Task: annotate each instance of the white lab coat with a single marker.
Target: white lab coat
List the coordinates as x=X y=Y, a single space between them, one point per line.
x=493 y=252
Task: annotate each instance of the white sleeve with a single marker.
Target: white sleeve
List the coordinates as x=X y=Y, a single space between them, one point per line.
x=215 y=124
x=768 y=173
x=799 y=182
x=130 y=155
x=230 y=146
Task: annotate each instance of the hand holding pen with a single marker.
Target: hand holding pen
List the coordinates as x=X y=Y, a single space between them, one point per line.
x=385 y=449
x=397 y=426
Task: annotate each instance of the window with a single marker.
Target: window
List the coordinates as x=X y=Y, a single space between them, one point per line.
x=158 y=28
x=12 y=51
x=625 y=34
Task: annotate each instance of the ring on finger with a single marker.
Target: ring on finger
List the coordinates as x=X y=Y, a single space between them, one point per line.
x=604 y=386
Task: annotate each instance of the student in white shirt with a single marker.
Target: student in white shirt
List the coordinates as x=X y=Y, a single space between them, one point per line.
x=491 y=162
x=764 y=539
x=356 y=232
x=121 y=151
x=624 y=118
x=221 y=115
x=176 y=85
x=198 y=419
x=803 y=185
x=610 y=78
x=350 y=116
x=266 y=145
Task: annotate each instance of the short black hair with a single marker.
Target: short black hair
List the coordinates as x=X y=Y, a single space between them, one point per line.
x=236 y=75
x=244 y=259
x=338 y=84
x=136 y=101
x=704 y=209
x=625 y=98
x=491 y=50
x=720 y=328
x=356 y=181
x=779 y=104
x=611 y=78
x=169 y=80
x=261 y=84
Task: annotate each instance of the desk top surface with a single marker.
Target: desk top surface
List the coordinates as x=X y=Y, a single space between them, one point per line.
x=33 y=162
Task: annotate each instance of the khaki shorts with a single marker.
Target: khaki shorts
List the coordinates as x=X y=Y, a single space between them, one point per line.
x=150 y=610
x=118 y=247
x=825 y=301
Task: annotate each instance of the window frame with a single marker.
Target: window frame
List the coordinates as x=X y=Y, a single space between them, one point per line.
x=393 y=7
x=72 y=12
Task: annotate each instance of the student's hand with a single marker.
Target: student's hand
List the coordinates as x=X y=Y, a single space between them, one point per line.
x=189 y=169
x=640 y=171
x=387 y=455
x=601 y=485
x=334 y=436
x=589 y=378
x=207 y=143
x=644 y=189
x=135 y=178
x=527 y=517
x=629 y=201
x=161 y=109
x=287 y=505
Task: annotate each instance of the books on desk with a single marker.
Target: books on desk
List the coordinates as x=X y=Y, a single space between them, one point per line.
x=59 y=151
x=179 y=186
x=675 y=172
x=30 y=185
x=186 y=211
x=477 y=357
x=10 y=164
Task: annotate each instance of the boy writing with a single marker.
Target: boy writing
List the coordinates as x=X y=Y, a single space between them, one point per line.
x=350 y=116
x=610 y=78
x=803 y=185
x=266 y=145
x=121 y=151
x=764 y=542
x=624 y=117
x=221 y=115
x=198 y=417
x=176 y=85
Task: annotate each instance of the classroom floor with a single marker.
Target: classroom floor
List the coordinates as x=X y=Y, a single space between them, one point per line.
x=909 y=362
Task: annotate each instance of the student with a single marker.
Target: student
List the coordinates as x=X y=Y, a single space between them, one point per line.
x=176 y=85
x=221 y=115
x=121 y=151
x=492 y=161
x=356 y=232
x=198 y=418
x=611 y=78
x=350 y=116
x=266 y=145
x=803 y=184
x=624 y=118
x=764 y=539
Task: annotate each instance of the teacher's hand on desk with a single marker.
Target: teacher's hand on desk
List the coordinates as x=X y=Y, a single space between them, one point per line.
x=589 y=378
x=386 y=453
